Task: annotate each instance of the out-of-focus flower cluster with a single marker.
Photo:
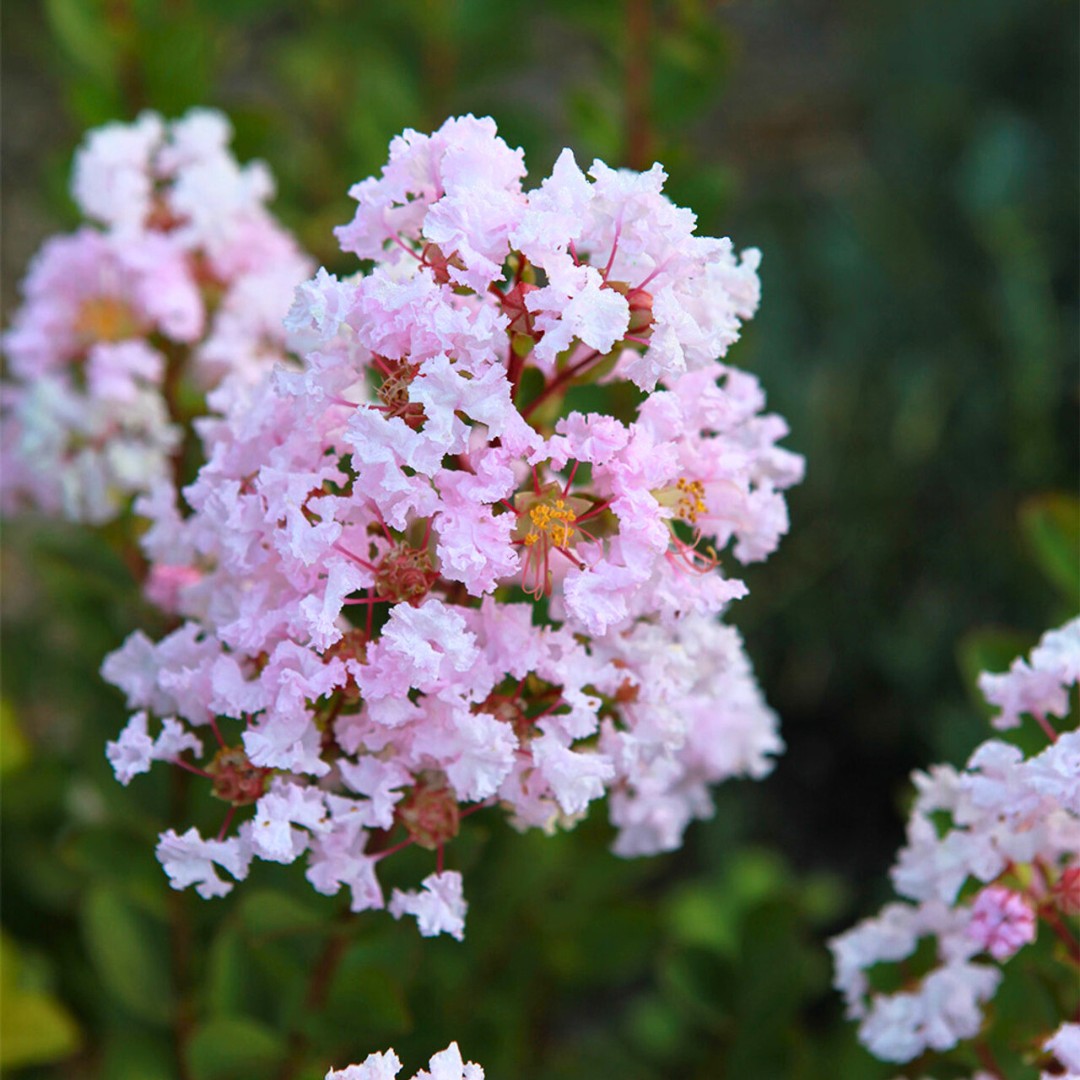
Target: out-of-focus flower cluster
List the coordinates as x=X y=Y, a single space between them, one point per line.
x=182 y=279
x=414 y=580
x=445 y=1065
x=992 y=859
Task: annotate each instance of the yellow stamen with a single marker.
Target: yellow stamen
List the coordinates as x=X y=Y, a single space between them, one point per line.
x=104 y=318
x=689 y=504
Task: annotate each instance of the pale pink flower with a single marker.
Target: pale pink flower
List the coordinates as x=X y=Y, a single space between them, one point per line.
x=438 y=909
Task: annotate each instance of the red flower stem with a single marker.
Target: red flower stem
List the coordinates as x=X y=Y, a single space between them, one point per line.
x=226 y=823
x=570 y=480
x=514 y=368
x=659 y=270
x=191 y=768
x=355 y=558
x=1047 y=727
x=565 y=376
x=614 y=247
x=216 y=730
x=987 y=1059
x=405 y=247
x=599 y=508
x=378 y=856
x=1053 y=920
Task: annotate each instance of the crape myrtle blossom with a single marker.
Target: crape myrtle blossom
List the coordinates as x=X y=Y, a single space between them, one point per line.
x=1065 y=1046
x=182 y=279
x=413 y=583
x=992 y=860
x=445 y=1065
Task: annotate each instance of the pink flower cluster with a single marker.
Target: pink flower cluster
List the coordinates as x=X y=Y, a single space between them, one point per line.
x=183 y=279
x=993 y=852
x=415 y=581
x=445 y=1065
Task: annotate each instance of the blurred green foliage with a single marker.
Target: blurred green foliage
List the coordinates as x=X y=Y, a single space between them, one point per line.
x=908 y=170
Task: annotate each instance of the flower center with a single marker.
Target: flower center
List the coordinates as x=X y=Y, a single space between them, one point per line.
x=548 y=516
x=394 y=393
x=430 y=812
x=405 y=574
x=236 y=780
x=104 y=318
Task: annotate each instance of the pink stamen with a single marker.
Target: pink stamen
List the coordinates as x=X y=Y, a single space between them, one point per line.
x=570 y=555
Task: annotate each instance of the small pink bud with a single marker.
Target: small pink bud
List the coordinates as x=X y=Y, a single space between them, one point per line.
x=1001 y=921
x=430 y=812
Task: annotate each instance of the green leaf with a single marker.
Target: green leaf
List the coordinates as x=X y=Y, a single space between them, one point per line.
x=128 y=952
x=234 y=1047
x=266 y=912
x=227 y=973
x=1051 y=527
x=114 y=856
x=131 y=1054
x=359 y=989
x=81 y=29
x=703 y=917
x=14 y=745
x=35 y=1028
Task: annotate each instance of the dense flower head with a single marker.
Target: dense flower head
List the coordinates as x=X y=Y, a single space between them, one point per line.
x=413 y=581
x=992 y=859
x=182 y=281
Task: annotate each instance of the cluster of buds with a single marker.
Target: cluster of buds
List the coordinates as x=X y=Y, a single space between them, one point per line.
x=991 y=862
x=414 y=581
x=179 y=280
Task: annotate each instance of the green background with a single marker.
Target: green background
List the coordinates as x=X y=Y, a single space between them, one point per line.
x=909 y=170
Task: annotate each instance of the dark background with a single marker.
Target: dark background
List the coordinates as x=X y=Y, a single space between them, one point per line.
x=909 y=170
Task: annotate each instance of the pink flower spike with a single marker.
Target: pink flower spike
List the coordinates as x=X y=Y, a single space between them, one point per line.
x=1002 y=922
